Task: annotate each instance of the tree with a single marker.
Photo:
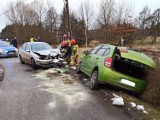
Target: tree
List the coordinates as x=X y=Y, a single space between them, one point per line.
x=106 y=14
x=155 y=26
x=143 y=16
x=86 y=15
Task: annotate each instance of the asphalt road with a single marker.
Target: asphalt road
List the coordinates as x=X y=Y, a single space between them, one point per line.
x=43 y=94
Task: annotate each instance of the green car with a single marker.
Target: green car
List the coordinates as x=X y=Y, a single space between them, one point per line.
x=119 y=66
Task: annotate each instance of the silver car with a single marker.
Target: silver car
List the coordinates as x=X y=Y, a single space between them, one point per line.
x=38 y=54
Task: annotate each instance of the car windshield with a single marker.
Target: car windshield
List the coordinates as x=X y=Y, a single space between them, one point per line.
x=4 y=44
x=39 y=47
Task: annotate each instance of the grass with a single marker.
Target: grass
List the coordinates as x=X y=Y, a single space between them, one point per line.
x=153 y=113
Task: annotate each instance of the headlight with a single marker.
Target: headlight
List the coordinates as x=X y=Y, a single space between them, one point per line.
x=5 y=51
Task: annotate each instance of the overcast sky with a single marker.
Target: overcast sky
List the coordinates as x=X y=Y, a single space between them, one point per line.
x=74 y=4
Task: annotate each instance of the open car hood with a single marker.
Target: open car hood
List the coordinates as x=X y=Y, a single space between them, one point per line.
x=139 y=57
x=51 y=52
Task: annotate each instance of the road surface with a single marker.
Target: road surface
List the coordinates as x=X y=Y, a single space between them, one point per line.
x=26 y=94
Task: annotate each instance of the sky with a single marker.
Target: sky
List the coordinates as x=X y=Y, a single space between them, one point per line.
x=74 y=4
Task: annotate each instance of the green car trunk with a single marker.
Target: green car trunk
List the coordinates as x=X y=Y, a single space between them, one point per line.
x=128 y=71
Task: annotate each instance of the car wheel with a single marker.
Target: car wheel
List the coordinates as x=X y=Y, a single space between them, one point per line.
x=21 y=61
x=33 y=63
x=78 y=68
x=94 y=80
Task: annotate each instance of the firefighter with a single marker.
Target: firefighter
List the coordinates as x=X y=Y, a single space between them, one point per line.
x=66 y=38
x=75 y=53
x=68 y=51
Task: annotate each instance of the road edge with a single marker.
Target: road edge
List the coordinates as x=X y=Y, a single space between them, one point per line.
x=1 y=73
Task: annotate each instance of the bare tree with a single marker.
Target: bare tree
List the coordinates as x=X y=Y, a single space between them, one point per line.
x=120 y=9
x=39 y=8
x=143 y=16
x=155 y=27
x=106 y=15
x=86 y=15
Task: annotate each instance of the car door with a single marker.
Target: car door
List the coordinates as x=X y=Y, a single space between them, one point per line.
x=22 y=51
x=86 y=60
x=96 y=59
x=28 y=53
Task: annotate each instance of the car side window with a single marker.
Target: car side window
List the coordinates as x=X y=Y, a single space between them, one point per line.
x=97 y=47
x=27 y=48
x=106 y=52
x=101 y=51
x=93 y=51
x=23 y=46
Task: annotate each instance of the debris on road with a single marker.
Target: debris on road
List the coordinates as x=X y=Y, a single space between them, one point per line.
x=141 y=108
x=117 y=100
x=133 y=104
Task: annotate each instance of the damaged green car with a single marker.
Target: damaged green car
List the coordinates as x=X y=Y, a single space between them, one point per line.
x=119 y=66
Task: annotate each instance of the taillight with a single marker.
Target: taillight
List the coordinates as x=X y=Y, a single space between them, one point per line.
x=108 y=62
x=123 y=50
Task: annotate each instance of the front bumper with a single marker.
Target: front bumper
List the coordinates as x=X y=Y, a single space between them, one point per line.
x=3 y=54
x=44 y=63
x=48 y=63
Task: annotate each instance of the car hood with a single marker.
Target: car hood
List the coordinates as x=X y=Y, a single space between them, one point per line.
x=8 y=48
x=52 y=52
x=139 y=57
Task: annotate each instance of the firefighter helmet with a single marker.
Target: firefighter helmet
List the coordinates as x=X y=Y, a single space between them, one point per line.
x=63 y=44
x=73 y=42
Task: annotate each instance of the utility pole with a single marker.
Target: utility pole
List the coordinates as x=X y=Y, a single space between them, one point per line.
x=68 y=16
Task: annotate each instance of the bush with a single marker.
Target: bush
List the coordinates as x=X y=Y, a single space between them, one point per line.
x=152 y=93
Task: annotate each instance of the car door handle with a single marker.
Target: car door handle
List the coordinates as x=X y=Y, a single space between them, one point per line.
x=97 y=58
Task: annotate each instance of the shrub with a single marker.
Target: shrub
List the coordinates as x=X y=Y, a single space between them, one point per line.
x=152 y=93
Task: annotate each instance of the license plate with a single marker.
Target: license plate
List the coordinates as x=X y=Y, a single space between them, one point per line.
x=11 y=53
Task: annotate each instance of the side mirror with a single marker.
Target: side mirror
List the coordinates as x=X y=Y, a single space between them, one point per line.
x=86 y=52
x=27 y=50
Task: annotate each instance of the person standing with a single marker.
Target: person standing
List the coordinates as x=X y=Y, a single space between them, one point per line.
x=7 y=40
x=75 y=54
x=31 y=39
x=68 y=51
x=38 y=39
x=14 y=42
x=66 y=39
x=122 y=41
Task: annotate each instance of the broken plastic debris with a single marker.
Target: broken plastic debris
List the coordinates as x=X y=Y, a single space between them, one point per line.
x=55 y=60
x=61 y=59
x=84 y=79
x=141 y=108
x=133 y=104
x=73 y=68
x=117 y=100
x=61 y=70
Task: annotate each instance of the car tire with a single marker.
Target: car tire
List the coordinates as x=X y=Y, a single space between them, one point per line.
x=21 y=61
x=94 y=85
x=33 y=64
x=78 y=68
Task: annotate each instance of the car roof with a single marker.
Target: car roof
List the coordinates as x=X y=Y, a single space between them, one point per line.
x=36 y=43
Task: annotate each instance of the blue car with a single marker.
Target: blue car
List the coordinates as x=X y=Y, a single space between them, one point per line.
x=6 y=50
